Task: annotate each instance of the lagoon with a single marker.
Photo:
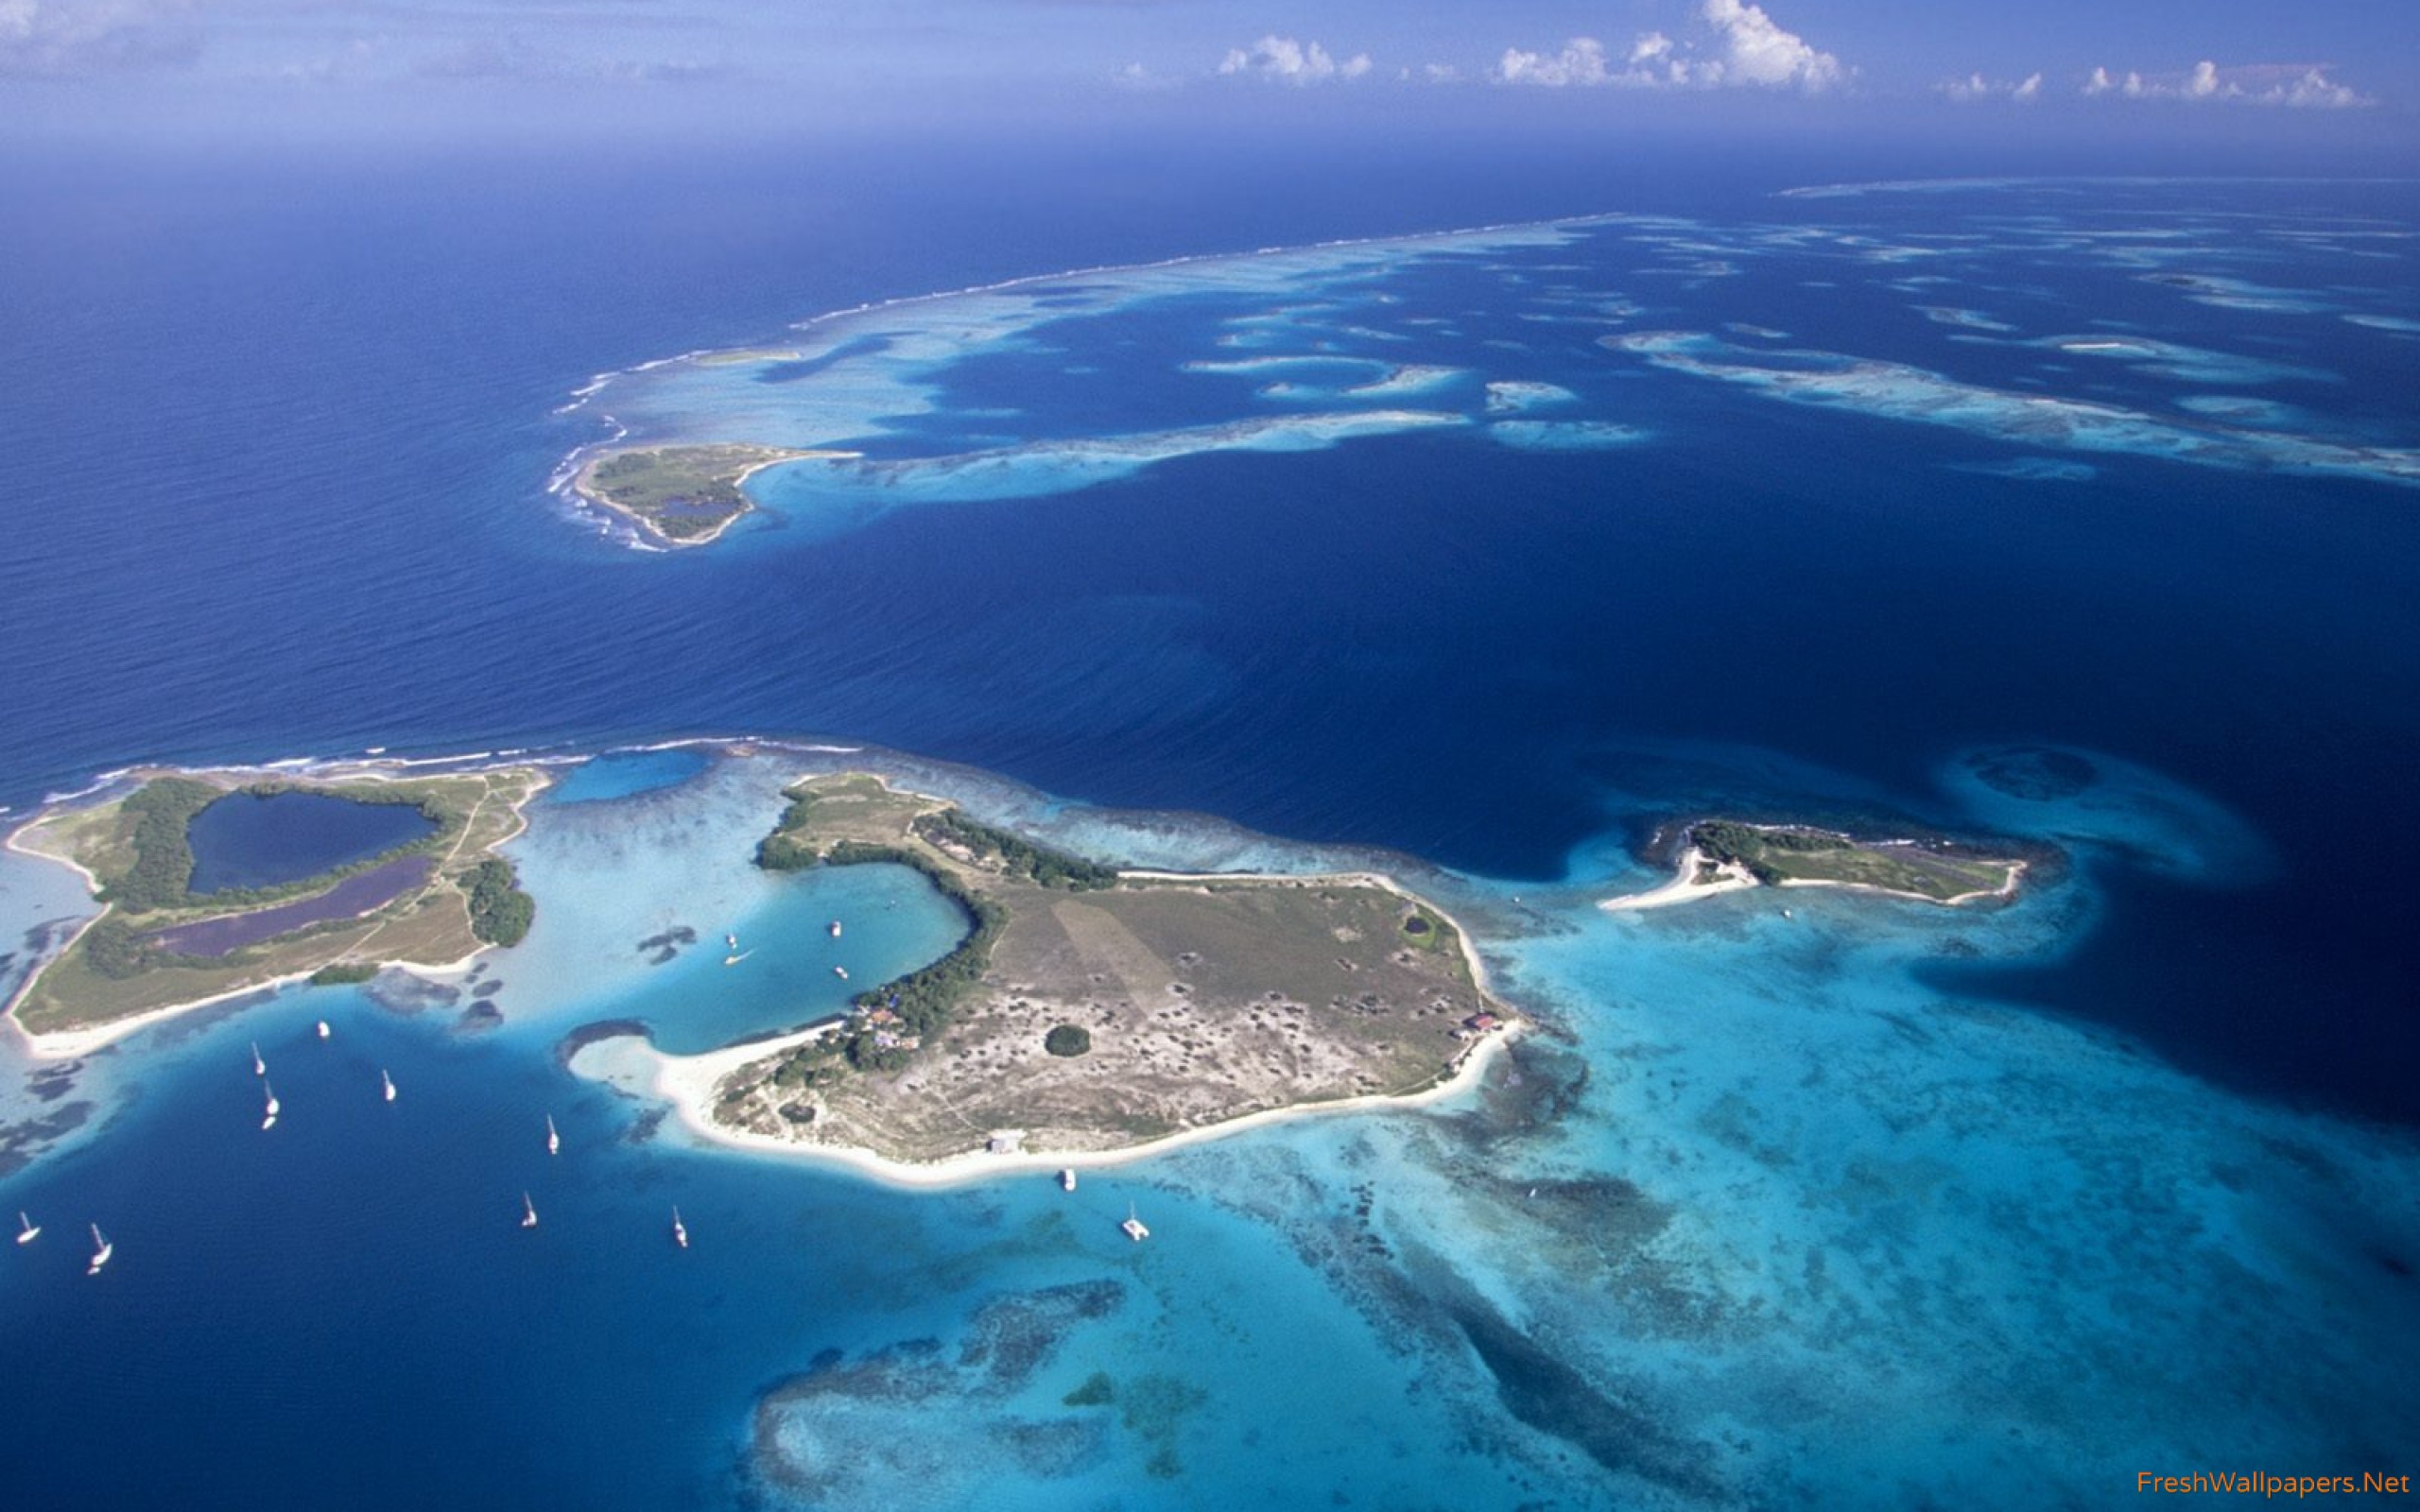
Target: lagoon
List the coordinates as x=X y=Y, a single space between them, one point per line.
x=269 y=839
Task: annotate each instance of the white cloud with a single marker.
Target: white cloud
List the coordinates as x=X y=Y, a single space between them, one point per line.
x=1759 y=52
x=1582 y=62
x=2297 y=86
x=1742 y=46
x=1975 y=87
x=1135 y=77
x=2312 y=89
x=65 y=38
x=1286 y=60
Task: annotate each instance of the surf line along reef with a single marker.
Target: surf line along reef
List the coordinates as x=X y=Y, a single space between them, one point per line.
x=1088 y=1013
x=328 y=877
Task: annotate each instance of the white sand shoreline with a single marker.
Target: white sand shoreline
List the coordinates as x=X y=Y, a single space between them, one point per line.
x=1684 y=887
x=688 y=1083
x=68 y=1044
x=1732 y=877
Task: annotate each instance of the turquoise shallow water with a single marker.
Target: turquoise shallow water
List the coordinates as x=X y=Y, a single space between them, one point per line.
x=2030 y=508
x=1756 y=1158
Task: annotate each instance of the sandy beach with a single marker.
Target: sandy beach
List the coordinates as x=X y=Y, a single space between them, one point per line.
x=66 y=1044
x=688 y=1083
x=1732 y=877
x=1684 y=887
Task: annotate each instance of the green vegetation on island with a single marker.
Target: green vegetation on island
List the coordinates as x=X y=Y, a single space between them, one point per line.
x=158 y=945
x=952 y=831
x=163 y=865
x=683 y=495
x=1940 y=872
x=501 y=913
x=344 y=973
x=1085 y=1008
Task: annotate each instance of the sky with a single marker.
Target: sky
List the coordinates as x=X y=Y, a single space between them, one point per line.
x=2322 y=71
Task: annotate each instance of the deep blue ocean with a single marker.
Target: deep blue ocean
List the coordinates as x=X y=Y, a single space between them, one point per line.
x=278 y=439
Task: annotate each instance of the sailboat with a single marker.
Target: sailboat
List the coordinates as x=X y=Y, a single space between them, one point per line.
x=268 y=1112
x=1133 y=1225
x=554 y=1141
x=102 y=1250
x=529 y=1212
x=387 y=1082
x=26 y=1229
x=680 y=1231
x=1067 y=1178
x=324 y=1030
x=260 y=1067
x=836 y=929
x=731 y=942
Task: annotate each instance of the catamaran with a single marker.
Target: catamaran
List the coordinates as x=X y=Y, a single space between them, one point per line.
x=680 y=1232
x=1133 y=1225
x=529 y=1212
x=554 y=1141
x=269 y=1110
x=1067 y=1178
x=26 y=1229
x=102 y=1250
x=387 y=1082
x=260 y=1067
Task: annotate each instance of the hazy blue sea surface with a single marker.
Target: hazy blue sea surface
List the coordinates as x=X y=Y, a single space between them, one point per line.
x=2079 y=512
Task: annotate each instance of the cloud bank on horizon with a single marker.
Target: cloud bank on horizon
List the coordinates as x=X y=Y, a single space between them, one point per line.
x=875 y=52
x=1744 y=47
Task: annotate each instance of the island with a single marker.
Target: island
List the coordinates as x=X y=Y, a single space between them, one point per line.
x=680 y=495
x=324 y=879
x=1089 y=1013
x=1717 y=857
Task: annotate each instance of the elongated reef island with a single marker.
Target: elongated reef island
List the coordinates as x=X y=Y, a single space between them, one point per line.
x=422 y=885
x=1717 y=857
x=1087 y=1011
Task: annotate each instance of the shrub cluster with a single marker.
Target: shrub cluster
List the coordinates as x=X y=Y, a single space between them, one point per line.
x=500 y=911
